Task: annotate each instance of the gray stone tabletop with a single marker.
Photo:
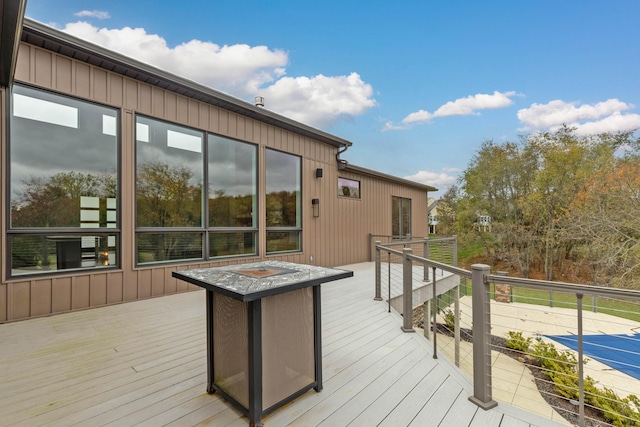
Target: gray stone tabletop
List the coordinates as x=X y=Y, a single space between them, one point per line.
x=255 y=280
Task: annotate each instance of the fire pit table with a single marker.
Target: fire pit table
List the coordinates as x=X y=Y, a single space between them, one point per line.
x=263 y=331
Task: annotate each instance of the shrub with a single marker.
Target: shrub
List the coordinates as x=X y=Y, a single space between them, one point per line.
x=516 y=341
x=449 y=319
x=562 y=368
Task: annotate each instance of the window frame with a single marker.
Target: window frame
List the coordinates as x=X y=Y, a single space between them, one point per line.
x=254 y=229
x=81 y=232
x=159 y=230
x=299 y=208
x=400 y=216
x=358 y=196
x=206 y=230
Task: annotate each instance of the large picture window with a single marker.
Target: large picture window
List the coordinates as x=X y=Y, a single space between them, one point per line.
x=232 y=195
x=63 y=183
x=283 y=202
x=400 y=216
x=169 y=183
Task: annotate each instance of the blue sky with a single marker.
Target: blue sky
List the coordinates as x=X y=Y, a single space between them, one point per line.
x=417 y=86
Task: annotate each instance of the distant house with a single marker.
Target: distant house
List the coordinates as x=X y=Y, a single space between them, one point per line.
x=484 y=223
x=432 y=215
x=116 y=173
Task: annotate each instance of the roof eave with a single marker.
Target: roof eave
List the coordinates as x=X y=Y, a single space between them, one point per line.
x=57 y=41
x=379 y=175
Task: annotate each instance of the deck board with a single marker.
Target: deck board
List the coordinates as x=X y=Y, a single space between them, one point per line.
x=143 y=364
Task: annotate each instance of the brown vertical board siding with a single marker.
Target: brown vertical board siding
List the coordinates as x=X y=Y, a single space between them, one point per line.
x=97 y=289
x=203 y=116
x=157 y=102
x=130 y=94
x=182 y=286
x=193 y=116
x=3 y=302
x=232 y=125
x=41 y=297
x=61 y=295
x=171 y=285
x=20 y=297
x=100 y=86
x=63 y=74
x=23 y=62
x=144 y=283
x=214 y=119
x=170 y=106
x=182 y=110
x=116 y=89
x=338 y=236
x=158 y=278
x=114 y=287
x=80 y=288
x=131 y=287
x=144 y=99
x=42 y=69
x=82 y=80
x=223 y=122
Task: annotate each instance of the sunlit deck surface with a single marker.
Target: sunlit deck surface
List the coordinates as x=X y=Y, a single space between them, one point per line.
x=143 y=363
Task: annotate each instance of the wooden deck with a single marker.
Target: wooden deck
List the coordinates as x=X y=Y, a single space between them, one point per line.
x=143 y=363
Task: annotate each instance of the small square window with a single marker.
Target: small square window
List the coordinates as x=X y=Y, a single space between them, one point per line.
x=348 y=188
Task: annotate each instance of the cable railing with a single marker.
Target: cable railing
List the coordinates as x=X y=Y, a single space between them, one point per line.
x=576 y=358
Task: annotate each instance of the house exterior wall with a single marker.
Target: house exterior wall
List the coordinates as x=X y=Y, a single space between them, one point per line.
x=339 y=236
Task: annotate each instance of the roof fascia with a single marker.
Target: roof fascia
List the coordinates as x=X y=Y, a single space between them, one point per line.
x=379 y=175
x=57 y=41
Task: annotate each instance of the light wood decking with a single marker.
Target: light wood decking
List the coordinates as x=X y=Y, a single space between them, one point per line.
x=143 y=363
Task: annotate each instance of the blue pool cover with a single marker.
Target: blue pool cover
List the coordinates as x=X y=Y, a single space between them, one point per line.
x=620 y=352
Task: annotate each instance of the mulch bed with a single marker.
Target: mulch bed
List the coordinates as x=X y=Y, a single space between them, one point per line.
x=593 y=417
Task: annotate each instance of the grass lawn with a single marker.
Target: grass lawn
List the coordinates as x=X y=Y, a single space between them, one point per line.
x=626 y=309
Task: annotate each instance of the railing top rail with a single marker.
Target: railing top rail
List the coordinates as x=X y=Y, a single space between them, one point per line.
x=399 y=236
x=446 y=267
x=417 y=238
x=574 y=288
x=391 y=251
x=400 y=243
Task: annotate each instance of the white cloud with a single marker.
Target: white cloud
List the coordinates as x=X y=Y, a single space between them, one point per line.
x=98 y=14
x=614 y=123
x=390 y=126
x=418 y=116
x=440 y=180
x=469 y=105
x=557 y=112
x=464 y=106
x=243 y=71
x=320 y=100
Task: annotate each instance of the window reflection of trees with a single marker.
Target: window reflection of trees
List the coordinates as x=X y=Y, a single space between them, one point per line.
x=55 y=201
x=282 y=209
x=165 y=196
x=230 y=211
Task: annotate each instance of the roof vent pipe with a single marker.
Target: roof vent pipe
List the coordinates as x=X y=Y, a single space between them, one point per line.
x=259 y=101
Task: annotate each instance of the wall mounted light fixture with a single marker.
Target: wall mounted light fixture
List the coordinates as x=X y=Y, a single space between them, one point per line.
x=319 y=173
x=315 y=203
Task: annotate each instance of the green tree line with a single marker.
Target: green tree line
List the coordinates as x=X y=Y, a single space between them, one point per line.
x=560 y=203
